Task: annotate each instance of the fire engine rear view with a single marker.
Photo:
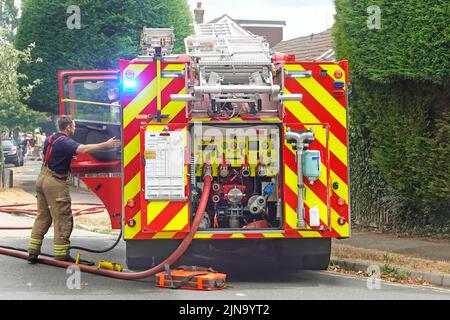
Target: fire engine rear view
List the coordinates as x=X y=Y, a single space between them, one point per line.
x=252 y=138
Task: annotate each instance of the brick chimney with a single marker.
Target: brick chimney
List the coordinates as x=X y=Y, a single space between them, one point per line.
x=199 y=13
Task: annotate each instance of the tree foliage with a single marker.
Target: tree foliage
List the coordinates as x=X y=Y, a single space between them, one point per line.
x=8 y=19
x=13 y=111
x=109 y=31
x=400 y=114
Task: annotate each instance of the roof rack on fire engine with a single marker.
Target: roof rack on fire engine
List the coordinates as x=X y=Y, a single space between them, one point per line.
x=233 y=66
x=232 y=45
x=157 y=41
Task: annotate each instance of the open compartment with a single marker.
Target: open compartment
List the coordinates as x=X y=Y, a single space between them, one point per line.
x=244 y=161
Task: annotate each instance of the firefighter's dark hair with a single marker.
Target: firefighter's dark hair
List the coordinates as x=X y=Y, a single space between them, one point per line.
x=64 y=122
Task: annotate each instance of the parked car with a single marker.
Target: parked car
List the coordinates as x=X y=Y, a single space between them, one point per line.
x=12 y=152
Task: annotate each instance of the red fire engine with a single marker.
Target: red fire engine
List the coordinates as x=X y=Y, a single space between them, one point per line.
x=253 y=139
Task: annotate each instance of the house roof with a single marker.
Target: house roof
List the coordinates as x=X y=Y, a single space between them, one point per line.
x=220 y=25
x=309 y=48
x=271 y=30
x=250 y=22
x=220 y=18
x=261 y=22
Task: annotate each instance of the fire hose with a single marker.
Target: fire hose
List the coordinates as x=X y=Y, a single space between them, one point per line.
x=94 y=208
x=142 y=274
x=12 y=209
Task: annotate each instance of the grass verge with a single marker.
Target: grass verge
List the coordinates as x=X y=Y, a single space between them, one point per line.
x=393 y=267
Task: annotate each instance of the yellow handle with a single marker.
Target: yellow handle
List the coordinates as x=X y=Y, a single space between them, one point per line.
x=110 y=266
x=91 y=102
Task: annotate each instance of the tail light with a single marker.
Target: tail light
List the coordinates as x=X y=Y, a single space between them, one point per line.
x=291 y=58
x=13 y=150
x=341 y=202
x=339 y=93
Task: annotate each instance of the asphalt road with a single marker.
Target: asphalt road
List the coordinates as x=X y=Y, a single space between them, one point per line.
x=19 y=280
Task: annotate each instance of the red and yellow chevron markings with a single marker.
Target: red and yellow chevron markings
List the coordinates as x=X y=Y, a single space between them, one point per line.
x=319 y=110
x=167 y=216
x=319 y=106
x=153 y=93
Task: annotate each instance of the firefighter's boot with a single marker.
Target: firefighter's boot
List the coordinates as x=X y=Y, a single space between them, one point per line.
x=32 y=258
x=34 y=249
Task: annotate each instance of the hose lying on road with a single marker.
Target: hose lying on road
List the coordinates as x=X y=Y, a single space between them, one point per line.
x=95 y=208
x=16 y=228
x=135 y=275
x=12 y=209
x=82 y=261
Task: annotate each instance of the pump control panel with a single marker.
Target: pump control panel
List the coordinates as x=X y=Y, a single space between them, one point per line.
x=245 y=166
x=256 y=149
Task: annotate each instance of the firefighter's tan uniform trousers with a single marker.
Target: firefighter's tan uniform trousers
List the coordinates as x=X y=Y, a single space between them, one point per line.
x=54 y=205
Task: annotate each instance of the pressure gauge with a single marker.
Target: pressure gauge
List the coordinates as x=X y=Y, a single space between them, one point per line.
x=265 y=145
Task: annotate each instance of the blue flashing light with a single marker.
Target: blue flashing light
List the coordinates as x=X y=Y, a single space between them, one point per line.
x=338 y=84
x=129 y=86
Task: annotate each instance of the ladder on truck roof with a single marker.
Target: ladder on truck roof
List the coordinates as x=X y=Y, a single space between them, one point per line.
x=232 y=64
x=225 y=44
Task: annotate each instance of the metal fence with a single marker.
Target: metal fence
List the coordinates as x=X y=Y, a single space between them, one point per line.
x=369 y=217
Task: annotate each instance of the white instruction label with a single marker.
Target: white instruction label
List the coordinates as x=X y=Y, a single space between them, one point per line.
x=164 y=165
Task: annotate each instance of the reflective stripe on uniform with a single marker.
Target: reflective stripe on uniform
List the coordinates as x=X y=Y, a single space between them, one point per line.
x=61 y=249
x=36 y=241
x=35 y=244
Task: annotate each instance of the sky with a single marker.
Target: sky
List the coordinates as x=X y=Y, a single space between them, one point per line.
x=302 y=17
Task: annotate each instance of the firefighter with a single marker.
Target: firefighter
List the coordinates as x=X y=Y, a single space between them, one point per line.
x=37 y=144
x=52 y=188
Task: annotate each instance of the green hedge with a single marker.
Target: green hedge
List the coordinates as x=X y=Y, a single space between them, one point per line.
x=399 y=110
x=400 y=150
x=412 y=43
